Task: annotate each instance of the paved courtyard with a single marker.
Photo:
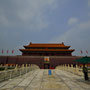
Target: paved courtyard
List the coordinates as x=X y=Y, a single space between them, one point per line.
x=40 y=80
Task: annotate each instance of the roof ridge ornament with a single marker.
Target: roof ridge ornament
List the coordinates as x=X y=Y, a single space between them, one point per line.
x=30 y=42
x=63 y=43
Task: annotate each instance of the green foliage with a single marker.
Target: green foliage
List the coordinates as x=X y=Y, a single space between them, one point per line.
x=11 y=67
x=2 y=68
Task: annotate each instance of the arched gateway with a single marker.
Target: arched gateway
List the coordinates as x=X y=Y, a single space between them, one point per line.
x=44 y=55
x=48 y=55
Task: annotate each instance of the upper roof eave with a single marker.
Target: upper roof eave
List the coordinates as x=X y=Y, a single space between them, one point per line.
x=71 y=50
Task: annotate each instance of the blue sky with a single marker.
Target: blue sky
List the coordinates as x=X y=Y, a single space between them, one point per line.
x=44 y=21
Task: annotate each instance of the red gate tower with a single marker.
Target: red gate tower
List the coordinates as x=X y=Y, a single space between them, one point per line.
x=46 y=49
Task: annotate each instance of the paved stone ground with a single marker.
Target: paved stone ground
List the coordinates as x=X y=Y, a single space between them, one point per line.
x=40 y=80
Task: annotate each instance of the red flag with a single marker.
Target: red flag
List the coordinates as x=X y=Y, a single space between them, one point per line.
x=2 y=51
x=7 y=51
x=86 y=51
x=81 y=51
x=12 y=51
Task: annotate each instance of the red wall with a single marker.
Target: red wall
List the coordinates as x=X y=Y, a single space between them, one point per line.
x=38 y=60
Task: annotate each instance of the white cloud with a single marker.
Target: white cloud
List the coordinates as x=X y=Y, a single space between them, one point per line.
x=89 y=14
x=89 y=3
x=89 y=7
x=26 y=13
x=72 y=20
x=78 y=37
x=3 y=19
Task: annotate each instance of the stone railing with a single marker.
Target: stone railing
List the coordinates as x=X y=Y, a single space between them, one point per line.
x=17 y=71
x=75 y=70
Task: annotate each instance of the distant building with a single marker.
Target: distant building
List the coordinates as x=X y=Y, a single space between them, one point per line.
x=34 y=49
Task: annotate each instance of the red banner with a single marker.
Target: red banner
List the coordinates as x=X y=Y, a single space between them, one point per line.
x=81 y=52
x=2 y=51
x=12 y=51
x=86 y=51
x=7 y=51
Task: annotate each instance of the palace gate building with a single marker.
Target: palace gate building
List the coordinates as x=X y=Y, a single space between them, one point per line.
x=44 y=55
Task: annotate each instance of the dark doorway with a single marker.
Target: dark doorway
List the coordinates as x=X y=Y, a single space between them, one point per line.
x=46 y=66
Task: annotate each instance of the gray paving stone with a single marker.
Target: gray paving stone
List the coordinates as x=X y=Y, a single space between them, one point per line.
x=40 y=80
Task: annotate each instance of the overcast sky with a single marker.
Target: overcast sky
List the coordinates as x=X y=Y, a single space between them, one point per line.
x=44 y=21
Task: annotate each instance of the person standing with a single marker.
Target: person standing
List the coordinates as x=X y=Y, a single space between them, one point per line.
x=85 y=71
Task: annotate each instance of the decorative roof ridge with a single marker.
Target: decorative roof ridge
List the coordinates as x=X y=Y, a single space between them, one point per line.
x=47 y=43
